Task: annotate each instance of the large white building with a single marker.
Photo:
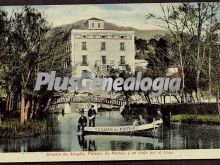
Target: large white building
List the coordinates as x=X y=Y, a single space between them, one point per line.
x=95 y=49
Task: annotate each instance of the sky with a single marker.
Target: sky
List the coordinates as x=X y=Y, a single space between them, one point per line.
x=130 y=15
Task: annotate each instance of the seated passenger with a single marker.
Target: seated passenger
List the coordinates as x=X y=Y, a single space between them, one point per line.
x=140 y=121
x=159 y=115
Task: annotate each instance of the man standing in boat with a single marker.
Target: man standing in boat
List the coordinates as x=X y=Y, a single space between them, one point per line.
x=82 y=122
x=91 y=116
x=159 y=115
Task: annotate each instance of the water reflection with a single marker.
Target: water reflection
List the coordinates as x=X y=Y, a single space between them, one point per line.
x=92 y=146
x=190 y=136
x=82 y=142
x=117 y=142
x=62 y=136
x=30 y=144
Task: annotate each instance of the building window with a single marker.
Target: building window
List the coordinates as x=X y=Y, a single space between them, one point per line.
x=65 y=64
x=103 y=59
x=122 y=37
x=99 y=25
x=84 y=60
x=86 y=74
x=93 y=25
x=122 y=60
x=69 y=60
x=103 y=46
x=84 y=71
x=84 y=46
x=68 y=48
x=122 y=46
x=103 y=36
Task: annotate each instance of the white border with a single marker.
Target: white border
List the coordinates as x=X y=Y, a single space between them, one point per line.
x=110 y=155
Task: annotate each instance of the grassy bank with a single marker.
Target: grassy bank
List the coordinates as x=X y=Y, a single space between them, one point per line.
x=201 y=119
x=13 y=128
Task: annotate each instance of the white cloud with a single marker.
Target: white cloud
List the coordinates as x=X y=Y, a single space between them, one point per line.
x=121 y=14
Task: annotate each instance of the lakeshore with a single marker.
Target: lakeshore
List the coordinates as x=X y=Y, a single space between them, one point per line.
x=13 y=128
x=63 y=136
x=196 y=119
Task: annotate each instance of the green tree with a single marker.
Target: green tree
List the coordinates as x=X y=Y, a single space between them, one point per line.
x=187 y=24
x=32 y=47
x=6 y=78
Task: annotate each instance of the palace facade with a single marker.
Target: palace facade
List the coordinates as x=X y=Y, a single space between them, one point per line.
x=95 y=49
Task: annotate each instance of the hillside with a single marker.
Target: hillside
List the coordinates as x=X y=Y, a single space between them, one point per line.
x=144 y=34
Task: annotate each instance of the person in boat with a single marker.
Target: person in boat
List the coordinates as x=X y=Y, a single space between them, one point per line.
x=159 y=115
x=82 y=110
x=91 y=116
x=82 y=122
x=140 y=121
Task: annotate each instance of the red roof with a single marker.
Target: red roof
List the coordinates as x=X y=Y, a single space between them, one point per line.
x=93 y=18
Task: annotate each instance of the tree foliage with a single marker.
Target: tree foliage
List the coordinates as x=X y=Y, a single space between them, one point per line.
x=31 y=47
x=193 y=43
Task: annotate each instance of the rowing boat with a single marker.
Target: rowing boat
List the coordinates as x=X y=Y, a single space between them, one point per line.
x=150 y=129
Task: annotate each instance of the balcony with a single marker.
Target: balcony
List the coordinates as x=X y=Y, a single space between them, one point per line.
x=84 y=63
x=104 y=67
x=122 y=63
x=106 y=63
x=122 y=67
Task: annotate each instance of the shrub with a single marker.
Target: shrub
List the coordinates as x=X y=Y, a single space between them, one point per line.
x=202 y=119
x=13 y=128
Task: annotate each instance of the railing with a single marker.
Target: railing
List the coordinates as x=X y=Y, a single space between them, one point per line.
x=104 y=66
x=84 y=63
x=108 y=62
x=74 y=99
x=122 y=63
x=122 y=66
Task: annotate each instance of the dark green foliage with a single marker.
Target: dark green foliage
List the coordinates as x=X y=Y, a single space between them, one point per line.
x=201 y=119
x=141 y=45
x=30 y=47
x=13 y=128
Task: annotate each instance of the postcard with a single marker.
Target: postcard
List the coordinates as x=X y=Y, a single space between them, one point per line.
x=95 y=82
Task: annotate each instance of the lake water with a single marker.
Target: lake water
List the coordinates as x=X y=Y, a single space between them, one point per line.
x=63 y=137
